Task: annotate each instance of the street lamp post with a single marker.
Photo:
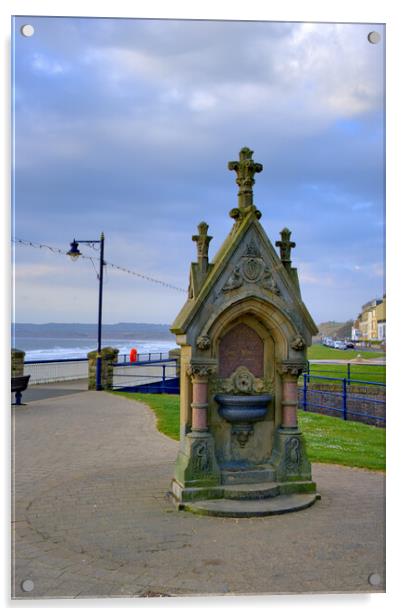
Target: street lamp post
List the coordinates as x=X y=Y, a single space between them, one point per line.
x=74 y=253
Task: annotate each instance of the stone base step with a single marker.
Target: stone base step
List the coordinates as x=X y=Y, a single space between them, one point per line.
x=231 y=508
x=238 y=476
x=251 y=491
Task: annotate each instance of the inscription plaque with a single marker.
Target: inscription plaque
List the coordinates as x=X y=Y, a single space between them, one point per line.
x=241 y=346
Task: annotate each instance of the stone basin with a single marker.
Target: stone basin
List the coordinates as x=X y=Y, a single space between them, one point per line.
x=242 y=409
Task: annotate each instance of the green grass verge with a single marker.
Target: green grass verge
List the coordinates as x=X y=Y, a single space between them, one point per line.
x=350 y=443
x=165 y=407
x=376 y=374
x=319 y=351
x=365 y=372
x=328 y=439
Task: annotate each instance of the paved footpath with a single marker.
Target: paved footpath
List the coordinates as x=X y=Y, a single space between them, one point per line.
x=91 y=517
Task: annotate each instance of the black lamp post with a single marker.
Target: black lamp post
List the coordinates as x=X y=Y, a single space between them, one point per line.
x=74 y=253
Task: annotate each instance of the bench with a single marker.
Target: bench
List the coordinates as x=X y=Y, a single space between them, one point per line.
x=18 y=385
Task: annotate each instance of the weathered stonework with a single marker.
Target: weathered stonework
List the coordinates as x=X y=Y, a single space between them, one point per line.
x=196 y=465
x=17 y=362
x=251 y=269
x=203 y=343
x=200 y=369
x=298 y=343
x=109 y=356
x=243 y=335
x=289 y=456
x=292 y=367
x=242 y=381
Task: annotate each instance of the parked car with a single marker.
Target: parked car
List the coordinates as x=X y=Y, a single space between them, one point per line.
x=349 y=344
x=339 y=344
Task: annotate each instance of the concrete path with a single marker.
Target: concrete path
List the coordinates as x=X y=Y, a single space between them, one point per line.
x=91 y=517
x=53 y=390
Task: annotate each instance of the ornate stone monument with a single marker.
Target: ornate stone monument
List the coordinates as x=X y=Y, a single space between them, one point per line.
x=243 y=334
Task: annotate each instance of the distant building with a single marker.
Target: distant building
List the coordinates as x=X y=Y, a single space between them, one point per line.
x=371 y=322
x=355 y=330
x=380 y=314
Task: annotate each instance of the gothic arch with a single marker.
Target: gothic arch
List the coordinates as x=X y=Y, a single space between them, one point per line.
x=265 y=318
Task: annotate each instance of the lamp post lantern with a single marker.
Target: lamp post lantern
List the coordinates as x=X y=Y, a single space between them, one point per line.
x=74 y=253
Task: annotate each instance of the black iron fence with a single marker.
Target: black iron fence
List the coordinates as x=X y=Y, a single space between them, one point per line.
x=124 y=358
x=353 y=399
x=351 y=371
x=149 y=376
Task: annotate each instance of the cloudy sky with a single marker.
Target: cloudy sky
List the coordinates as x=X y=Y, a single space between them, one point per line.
x=126 y=126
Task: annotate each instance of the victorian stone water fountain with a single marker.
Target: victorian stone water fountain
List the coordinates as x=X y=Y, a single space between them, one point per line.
x=243 y=335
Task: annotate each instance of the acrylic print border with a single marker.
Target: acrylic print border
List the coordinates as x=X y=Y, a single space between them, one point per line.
x=67 y=9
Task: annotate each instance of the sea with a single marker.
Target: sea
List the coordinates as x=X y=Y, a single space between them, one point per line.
x=43 y=346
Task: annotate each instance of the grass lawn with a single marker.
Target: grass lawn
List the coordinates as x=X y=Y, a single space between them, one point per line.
x=319 y=351
x=328 y=439
x=365 y=372
x=335 y=441
x=165 y=407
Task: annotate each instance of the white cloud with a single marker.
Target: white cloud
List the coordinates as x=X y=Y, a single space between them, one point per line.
x=201 y=101
x=310 y=274
x=50 y=66
x=29 y=271
x=144 y=119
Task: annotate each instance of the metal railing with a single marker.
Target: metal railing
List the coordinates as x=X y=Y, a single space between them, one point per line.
x=315 y=368
x=53 y=370
x=152 y=356
x=347 y=400
x=159 y=376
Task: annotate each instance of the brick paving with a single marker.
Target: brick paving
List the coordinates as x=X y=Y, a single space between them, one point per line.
x=91 y=517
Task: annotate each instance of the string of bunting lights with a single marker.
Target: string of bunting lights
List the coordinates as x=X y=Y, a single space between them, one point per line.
x=111 y=265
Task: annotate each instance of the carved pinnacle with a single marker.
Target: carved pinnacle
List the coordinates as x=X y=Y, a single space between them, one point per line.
x=285 y=245
x=245 y=169
x=202 y=240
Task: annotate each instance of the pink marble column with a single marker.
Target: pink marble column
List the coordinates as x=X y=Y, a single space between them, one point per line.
x=290 y=402
x=290 y=371
x=200 y=403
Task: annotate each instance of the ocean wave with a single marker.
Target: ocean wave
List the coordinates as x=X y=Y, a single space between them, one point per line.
x=81 y=351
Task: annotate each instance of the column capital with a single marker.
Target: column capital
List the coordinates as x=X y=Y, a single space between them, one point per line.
x=201 y=369
x=292 y=367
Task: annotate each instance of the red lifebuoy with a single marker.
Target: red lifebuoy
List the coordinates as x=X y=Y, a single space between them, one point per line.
x=133 y=355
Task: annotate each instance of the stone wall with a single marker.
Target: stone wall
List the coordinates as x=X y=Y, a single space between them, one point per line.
x=17 y=362
x=109 y=356
x=176 y=354
x=366 y=400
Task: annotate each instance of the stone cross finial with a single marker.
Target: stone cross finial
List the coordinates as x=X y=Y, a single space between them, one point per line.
x=285 y=245
x=245 y=169
x=203 y=240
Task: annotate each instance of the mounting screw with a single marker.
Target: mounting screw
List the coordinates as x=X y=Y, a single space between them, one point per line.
x=374 y=579
x=27 y=30
x=374 y=37
x=27 y=585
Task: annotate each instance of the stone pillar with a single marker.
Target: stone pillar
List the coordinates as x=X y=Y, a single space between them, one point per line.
x=109 y=356
x=289 y=455
x=199 y=375
x=17 y=362
x=199 y=403
x=196 y=465
x=290 y=371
